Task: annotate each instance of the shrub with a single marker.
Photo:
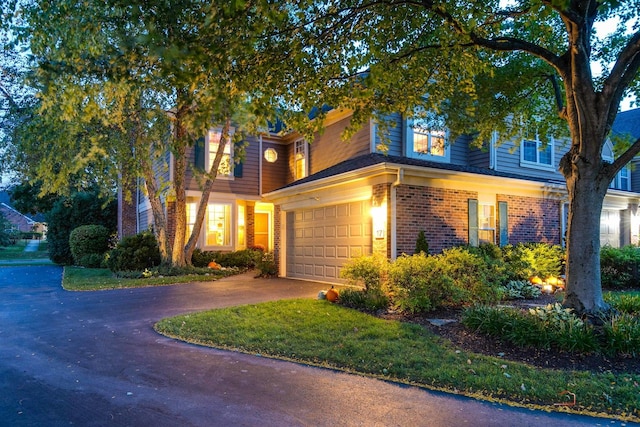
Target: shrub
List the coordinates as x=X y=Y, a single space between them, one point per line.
x=367 y=271
x=421 y=243
x=69 y=213
x=417 y=285
x=88 y=244
x=472 y=278
x=201 y=258
x=267 y=265
x=526 y=260
x=619 y=267
x=134 y=253
x=519 y=289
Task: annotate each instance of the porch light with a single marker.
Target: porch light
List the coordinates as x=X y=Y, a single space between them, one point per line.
x=270 y=155
x=379 y=219
x=547 y=288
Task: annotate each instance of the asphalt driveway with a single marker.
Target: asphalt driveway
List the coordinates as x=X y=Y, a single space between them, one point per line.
x=93 y=359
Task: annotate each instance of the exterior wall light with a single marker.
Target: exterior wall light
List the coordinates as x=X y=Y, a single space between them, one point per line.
x=379 y=219
x=270 y=155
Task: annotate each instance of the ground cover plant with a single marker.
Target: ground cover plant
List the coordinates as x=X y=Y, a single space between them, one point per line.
x=325 y=334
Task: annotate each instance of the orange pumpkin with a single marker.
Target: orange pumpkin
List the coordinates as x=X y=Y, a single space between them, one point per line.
x=332 y=295
x=214 y=265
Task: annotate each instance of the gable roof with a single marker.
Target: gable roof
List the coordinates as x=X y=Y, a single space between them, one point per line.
x=627 y=122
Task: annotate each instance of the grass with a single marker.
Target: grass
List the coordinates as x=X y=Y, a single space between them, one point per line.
x=16 y=252
x=92 y=279
x=328 y=335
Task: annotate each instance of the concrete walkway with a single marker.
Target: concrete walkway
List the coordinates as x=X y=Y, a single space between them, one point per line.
x=93 y=359
x=32 y=245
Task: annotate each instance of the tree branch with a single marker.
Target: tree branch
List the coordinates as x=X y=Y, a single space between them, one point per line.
x=625 y=157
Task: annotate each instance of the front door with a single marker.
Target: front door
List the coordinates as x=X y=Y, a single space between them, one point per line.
x=261 y=230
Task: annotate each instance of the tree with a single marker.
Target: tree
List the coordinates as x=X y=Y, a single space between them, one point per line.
x=129 y=80
x=490 y=66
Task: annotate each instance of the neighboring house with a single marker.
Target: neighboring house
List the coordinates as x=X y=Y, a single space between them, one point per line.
x=317 y=205
x=20 y=221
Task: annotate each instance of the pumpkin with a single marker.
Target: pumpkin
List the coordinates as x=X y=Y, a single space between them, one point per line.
x=332 y=295
x=536 y=280
x=214 y=265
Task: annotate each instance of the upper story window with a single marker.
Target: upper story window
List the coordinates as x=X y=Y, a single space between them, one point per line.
x=427 y=140
x=300 y=159
x=622 y=181
x=226 y=164
x=535 y=153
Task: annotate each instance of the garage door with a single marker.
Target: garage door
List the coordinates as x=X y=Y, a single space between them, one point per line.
x=321 y=240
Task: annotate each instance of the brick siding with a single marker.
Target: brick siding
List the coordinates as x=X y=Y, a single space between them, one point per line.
x=441 y=213
x=532 y=219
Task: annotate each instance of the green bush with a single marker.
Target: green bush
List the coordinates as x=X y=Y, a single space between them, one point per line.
x=619 y=267
x=417 y=285
x=87 y=241
x=134 y=253
x=622 y=335
x=69 y=213
x=472 y=277
x=421 y=243
x=367 y=271
x=526 y=260
x=267 y=265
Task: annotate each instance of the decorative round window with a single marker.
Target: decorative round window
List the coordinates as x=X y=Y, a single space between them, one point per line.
x=270 y=155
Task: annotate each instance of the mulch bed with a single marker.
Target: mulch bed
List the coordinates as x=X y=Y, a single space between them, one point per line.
x=476 y=342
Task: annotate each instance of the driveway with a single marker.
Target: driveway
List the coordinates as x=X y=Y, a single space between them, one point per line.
x=93 y=359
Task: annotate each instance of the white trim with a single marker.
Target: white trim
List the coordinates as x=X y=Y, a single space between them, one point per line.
x=229 y=146
x=305 y=146
x=410 y=152
x=537 y=165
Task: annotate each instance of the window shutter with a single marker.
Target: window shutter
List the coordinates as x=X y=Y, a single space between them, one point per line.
x=504 y=223
x=198 y=153
x=237 y=167
x=473 y=222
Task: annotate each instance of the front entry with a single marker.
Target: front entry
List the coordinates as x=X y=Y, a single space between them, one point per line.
x=261 y=230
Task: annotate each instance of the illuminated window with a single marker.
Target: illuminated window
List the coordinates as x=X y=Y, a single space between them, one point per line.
x=427 y=139
x=191 y=217
x=300 y=155
x=536 y=153
x=213 y=141
x=218 y=231
x=486 y=224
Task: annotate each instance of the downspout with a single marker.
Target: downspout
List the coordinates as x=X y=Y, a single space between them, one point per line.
x=394 y=185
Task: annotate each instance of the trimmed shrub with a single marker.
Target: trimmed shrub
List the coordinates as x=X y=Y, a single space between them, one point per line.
x=471 y=276
x=619 y=267
x=421 y=243
x=267 y=265
x=88 y=244
x=134 y=253
x=70 y=213
x=367 y=271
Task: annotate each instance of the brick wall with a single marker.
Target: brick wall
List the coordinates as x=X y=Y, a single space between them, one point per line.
x=277 y=239
x=532 y=219
x=441 y=213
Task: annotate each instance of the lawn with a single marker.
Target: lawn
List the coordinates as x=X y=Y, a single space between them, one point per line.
x=16 y=252
x=92 y=279
x=324 y=334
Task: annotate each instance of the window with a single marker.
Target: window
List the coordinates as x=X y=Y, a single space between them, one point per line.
x=427 y=140
x=225 y=168
x=300 y=155
x=622 y=180
x=241 y=226
x=536 y=153
x=191 y=217
x=218 y=229
x=486 y=224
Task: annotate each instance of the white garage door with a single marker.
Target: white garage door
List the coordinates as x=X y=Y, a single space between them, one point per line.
x=321 y=240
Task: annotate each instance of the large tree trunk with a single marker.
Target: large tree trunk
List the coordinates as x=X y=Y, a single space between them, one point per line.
x=206 y=191
x=159 y=217
x=179 y=170
x=583 y=287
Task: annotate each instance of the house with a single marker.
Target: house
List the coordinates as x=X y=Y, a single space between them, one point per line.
x=316 y=205
x=21 y=222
